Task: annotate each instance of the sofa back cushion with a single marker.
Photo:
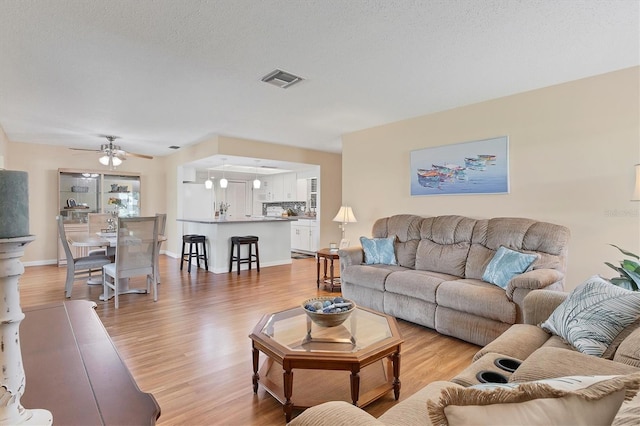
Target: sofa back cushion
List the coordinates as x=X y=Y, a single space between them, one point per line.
x=548 y=240
x=406 y=230
x=444 y=244
x=629 y=350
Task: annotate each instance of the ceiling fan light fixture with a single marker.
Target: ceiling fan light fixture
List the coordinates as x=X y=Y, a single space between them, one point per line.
x=104 y=160
x=116 y=161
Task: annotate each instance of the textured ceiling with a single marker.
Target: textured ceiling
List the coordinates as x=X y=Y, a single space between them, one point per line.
x=166 y=72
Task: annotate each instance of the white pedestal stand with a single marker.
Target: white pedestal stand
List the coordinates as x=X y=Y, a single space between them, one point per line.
x=11 y=315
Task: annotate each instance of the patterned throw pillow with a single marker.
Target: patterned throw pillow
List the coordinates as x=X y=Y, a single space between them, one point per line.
x=575 y=400
x=593 y=314
x=378 y=250
x=506 y=264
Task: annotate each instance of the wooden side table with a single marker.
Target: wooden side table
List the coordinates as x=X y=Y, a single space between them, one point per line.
x=332 y=280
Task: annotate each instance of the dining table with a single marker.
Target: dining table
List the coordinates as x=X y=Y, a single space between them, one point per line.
x=110 y=239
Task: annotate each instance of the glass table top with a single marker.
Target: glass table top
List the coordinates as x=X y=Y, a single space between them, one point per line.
x=295 y=330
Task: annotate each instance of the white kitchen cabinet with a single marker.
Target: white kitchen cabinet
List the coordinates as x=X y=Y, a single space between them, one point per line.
x=289 y=187
x=304 y=236
x=273 y=188
x=301 y=190
x=277 y=188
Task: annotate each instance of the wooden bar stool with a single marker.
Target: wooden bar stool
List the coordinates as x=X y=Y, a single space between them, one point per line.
x=194 y=240
x=236 y=243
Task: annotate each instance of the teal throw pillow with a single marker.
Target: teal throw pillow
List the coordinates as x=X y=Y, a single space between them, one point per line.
x=505 y=265
x=378 y=250
x=593 y=314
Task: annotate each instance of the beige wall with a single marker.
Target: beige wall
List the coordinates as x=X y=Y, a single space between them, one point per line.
x=42 y=163
x=572 y=148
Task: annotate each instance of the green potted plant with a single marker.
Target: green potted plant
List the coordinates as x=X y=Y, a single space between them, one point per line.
x=629 y=271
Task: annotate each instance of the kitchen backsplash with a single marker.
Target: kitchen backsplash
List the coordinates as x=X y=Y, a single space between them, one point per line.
x=298 y=207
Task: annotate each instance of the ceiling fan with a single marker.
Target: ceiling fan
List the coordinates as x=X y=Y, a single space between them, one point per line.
x=112 y=154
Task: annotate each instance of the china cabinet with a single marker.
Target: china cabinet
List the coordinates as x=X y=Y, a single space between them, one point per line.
x=81 y=192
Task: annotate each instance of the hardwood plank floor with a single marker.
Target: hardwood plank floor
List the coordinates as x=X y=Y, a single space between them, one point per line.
x=191 y=348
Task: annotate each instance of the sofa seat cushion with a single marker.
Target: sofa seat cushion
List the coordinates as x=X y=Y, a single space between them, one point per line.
x=370 y=276
x=418 y=284
x=477 y=297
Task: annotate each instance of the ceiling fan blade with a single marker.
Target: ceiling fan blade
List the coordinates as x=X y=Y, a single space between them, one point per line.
x=148 y=157
x=85 y=149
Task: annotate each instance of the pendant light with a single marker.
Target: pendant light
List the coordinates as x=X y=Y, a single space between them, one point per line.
x=208 y=184
x=223 y=182
x=256 y=182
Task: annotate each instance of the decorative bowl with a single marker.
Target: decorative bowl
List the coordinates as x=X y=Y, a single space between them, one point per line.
x=337 y=310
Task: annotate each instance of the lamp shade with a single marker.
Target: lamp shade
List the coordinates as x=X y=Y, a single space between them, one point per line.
x=345 y=215
x=636 y=192
x=116 y=161
x=208 y=184
x=256 y=183
x=223 y=183
x=104 y=160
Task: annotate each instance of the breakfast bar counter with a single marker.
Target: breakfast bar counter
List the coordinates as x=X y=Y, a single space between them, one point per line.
x=274 y=235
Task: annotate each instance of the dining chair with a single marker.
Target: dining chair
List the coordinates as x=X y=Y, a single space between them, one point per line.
x=97 y=222
x=162 y=223
x=136 y=254
x=79 y=267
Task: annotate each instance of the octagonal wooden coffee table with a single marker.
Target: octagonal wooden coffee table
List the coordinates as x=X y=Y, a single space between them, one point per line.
x=357 y=361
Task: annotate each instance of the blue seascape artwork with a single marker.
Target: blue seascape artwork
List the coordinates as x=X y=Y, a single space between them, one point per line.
x=477 y=167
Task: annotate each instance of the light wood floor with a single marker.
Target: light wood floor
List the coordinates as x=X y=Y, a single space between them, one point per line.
x=191 y=348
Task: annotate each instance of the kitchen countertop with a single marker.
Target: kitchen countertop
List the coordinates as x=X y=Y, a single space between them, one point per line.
x=241 y=220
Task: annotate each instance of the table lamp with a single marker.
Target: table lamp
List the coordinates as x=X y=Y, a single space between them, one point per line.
x=345 y=215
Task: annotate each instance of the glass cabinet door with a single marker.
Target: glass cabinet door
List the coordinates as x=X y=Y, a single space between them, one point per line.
x=121 y=195
x=79 y=195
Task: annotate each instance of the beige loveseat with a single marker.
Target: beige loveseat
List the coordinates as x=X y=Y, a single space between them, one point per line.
x=543 y=356
x=437 y=281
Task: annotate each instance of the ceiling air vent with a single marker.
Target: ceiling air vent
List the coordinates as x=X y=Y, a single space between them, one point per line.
x=281 y=78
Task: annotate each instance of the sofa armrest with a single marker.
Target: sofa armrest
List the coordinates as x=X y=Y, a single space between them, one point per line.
x=549 y=362
x=350 y=256
x=534 y=280
x=539 y=304
x=335 y=413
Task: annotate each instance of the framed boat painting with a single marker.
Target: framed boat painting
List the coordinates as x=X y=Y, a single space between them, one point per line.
x=477 y=167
